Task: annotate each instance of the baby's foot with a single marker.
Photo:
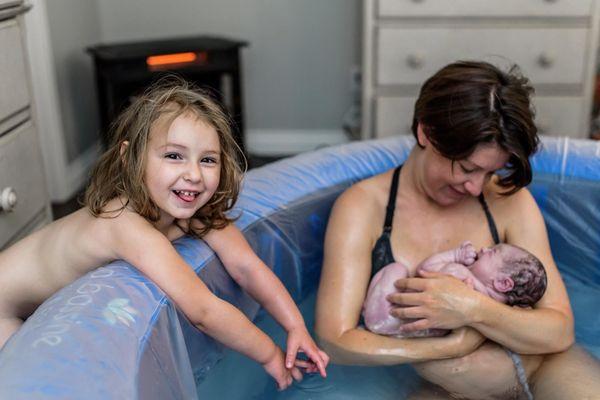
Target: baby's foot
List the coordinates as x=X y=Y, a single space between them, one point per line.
x=466 y=253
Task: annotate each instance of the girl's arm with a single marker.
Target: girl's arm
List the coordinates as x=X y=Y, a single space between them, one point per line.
x=139 y=243
x=446 y=302
x=248 y=270
x=344 y=282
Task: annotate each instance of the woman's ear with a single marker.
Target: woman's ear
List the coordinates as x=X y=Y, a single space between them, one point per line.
x=503 y=284
x=122 y=149
x=421 y=136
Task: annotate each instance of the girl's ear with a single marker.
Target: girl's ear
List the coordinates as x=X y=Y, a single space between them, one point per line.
x=124 y=145
x=503 y=284
x=421 y=136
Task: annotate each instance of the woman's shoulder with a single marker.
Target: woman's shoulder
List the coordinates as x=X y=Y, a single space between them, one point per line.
x=508 y=205
x=370 y=192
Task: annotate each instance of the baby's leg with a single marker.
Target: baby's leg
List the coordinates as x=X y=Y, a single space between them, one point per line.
x=376 y=308
x=8 y=326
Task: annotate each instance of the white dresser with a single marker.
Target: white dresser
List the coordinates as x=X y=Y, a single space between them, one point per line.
x=553 y=41
x=24 y=202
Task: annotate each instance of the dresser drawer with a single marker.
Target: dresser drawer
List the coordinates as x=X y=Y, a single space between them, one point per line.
x=13 y=76
x=393 y=116
x=555 y=116
x=20 y=168
x=546 y=56
x=560 y=116
x=482 y=8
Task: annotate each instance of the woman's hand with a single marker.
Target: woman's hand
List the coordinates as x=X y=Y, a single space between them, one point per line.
x=434 y=301
x=299 y=340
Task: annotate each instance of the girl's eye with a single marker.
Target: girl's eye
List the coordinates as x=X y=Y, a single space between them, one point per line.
x=210 y=160
x=173 y=156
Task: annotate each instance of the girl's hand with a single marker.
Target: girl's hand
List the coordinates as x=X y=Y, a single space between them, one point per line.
x=439 y=301
x=299 y=340
x=275 y=367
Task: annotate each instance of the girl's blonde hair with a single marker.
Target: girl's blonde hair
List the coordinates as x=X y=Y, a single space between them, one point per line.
x=122 y=174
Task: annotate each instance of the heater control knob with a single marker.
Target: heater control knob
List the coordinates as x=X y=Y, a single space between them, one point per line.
x=8 y=199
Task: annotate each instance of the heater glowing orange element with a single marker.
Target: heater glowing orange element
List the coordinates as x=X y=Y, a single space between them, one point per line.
x=175 y=58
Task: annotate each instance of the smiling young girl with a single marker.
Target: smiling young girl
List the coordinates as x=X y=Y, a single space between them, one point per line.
x=171 y=169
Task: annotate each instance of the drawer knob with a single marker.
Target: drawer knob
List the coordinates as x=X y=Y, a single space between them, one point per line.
x=8 y=199
x=414 y=61
x=545 y=60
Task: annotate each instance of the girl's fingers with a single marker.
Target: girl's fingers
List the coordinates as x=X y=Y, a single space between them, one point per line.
x=324 y=357
x=316 y=358
x=291 y=353
x=303 y=363
x=297 y=374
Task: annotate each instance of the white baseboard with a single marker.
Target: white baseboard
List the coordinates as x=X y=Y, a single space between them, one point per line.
x=282 y=142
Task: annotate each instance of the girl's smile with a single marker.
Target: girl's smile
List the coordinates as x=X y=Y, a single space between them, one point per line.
x=183 y=166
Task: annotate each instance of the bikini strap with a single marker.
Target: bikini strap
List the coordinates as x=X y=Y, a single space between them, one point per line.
x=389 y=211
x=490 y=219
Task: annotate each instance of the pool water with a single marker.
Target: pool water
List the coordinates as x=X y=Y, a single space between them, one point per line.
x=237 y=377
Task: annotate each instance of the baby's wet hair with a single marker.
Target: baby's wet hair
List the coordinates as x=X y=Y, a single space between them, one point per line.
x=119 y=172
x=530 y=280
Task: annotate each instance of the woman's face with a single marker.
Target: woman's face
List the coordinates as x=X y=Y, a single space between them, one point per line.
x=447 y=182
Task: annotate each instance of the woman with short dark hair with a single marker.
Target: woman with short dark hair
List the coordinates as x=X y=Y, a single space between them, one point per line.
x=464 y=180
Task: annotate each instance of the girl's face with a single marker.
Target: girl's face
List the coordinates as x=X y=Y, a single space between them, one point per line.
x=447 y=183
x=183 y=166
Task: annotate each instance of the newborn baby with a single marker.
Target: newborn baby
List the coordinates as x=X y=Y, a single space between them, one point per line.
x=504 y=272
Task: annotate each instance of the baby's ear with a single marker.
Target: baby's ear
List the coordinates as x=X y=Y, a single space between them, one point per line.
x=123 y=148
x=503 y=284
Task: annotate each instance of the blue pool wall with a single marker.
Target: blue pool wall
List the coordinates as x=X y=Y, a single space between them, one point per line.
x=113 y=334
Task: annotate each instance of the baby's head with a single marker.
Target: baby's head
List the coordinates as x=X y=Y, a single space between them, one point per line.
x=517 y=276
x=122 y=171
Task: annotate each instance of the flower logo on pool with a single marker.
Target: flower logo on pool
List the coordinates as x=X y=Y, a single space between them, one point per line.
x=119 y=310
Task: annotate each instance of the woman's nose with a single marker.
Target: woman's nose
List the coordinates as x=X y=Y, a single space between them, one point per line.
x=474 y=186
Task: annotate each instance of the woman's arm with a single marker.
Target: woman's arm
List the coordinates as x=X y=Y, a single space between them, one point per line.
x=552 y=316
x=445 y=302
x=344 y=282
x=248 y=270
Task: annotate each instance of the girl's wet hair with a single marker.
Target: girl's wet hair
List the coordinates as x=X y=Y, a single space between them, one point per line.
x=468 y=103
x=122 y=175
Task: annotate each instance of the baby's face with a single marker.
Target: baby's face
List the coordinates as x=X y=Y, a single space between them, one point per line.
x=491 y=259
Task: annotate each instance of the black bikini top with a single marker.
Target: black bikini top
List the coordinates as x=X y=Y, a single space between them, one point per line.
x=382 y=252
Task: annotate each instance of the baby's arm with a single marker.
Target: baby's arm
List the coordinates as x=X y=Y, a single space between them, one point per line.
x=248 y=270
x=464 y=254
x=139 y=243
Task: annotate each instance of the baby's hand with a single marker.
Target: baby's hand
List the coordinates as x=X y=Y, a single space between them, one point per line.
x=466 y=253
x=299 y=340
x=275 y=366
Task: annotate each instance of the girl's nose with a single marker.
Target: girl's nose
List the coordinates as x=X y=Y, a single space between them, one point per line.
x=193 y=174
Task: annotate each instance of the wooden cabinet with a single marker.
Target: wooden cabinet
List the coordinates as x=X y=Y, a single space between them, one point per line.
x=553 y=41
x=24 y=202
